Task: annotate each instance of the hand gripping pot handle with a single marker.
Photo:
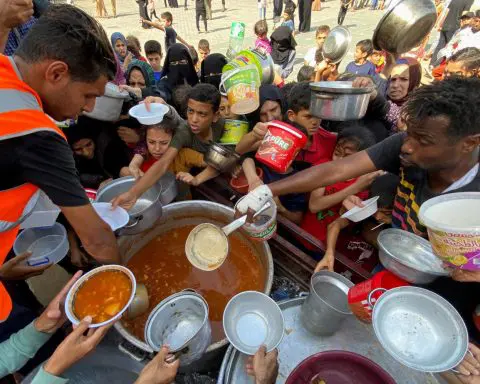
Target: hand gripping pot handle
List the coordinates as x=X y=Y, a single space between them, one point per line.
x=456 y=371
x=370 y=295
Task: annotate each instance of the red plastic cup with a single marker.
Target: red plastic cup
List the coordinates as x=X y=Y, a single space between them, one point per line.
x=358 y=294
x=280 y=146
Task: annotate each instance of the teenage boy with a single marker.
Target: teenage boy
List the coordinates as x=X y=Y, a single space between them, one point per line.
x=203 y=50
x=438 y=154
x=321 y=143
x=202 y=126
x=165 y=25
x=361 y=65
x=153 y=51
x=320 y=37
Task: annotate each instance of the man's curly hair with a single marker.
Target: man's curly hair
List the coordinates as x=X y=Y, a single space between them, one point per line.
x=456 y=98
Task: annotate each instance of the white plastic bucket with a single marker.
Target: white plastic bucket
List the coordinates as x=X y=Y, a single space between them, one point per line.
x=453 y=225
x=265 y=225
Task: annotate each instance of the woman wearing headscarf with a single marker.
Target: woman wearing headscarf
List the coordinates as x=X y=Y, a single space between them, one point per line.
x=140 y=81
x=283 y=50
x=119 y=44
x=273 y=106
x=211 y=69
x=178 y=69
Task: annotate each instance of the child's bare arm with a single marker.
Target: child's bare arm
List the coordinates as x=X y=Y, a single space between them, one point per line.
x=153 y=24
x=251 y=174
x=134 y=166
x=207 y=174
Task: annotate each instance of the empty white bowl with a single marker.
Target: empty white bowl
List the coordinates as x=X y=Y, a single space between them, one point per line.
x=357 y=214
x=116 y=218
x=252 y=319
x=154 y=116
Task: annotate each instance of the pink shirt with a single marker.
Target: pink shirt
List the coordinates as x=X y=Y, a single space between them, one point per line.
x=264 y=45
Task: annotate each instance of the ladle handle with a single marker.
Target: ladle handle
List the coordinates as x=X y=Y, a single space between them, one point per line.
x=370 y=295
x=234 y=225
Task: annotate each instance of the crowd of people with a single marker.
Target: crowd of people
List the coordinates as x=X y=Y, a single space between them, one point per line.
x=419 y=138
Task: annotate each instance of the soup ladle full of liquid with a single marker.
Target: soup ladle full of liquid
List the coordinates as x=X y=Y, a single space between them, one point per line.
x=207 y=244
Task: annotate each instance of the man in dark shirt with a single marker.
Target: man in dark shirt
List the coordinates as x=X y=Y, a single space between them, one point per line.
x=438 y=154
x=66 y=75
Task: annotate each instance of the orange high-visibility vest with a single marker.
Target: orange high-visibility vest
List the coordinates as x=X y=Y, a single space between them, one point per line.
x=21 y=114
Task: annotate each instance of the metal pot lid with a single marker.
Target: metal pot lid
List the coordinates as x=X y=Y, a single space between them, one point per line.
x=336 y=44
x=410 y=250
x=339 y=87
x=165 y=324
x=112 y=90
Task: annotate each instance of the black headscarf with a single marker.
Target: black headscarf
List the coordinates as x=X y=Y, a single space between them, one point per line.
x=283 y=43
x=177 y=74
x=211 y=69
x=268 y=92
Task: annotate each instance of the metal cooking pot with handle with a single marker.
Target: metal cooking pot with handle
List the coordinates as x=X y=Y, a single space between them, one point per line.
x=339 y=100
x=405 y=25
x=146 y=210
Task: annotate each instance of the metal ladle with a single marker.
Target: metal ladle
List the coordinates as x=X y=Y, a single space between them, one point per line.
x=225 y=231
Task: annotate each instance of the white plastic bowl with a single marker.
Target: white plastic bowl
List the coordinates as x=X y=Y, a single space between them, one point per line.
x=73 y=291
x=252 y=319
x=48 y=245
x=116 y=218
x=154 y=116
x=357 y=214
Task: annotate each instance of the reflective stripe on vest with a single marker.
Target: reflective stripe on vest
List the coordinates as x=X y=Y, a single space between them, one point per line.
x=21 y=114
x=6 y=225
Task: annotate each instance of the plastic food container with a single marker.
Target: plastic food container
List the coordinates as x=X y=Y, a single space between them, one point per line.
x=280 y=146
x=71 y=294
x=265 y=225
x=357 y=214
x=48 y=245
x=116 y=218
x=233 y=132
x=240 y=183
x=453 y=226
x=154 y=116
x=358 y=294
x=44 y=214
x=242 y=88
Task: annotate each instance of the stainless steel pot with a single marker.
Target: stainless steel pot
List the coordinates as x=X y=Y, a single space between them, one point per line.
x=327 y=306
x=180 y=321
x=338 y=100
x=169 y=188
x=221 y=158
x=109 y=106
x=405 y=25
x=146 y=210
x=178 y=215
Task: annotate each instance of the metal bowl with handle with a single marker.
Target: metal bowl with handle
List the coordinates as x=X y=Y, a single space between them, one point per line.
x=146 y=210
x=338 y=100
x=409 y=256
x=405 y=25
x=419 y=329
x=221 y=158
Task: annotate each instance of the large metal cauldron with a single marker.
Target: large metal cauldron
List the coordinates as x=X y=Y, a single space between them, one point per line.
x=178 y=215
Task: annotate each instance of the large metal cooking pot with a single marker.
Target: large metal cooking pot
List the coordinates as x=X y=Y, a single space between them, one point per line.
x=178 y=215
x=405 y=25
x=338 y=100
x=148 y=207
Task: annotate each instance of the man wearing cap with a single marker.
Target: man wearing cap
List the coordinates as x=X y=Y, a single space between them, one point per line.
x=463 y=32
